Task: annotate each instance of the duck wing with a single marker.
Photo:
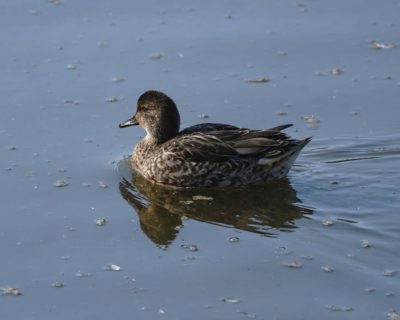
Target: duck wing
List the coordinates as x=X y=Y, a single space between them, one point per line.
x=207 y=127
x=199 y=147
x=219 y=142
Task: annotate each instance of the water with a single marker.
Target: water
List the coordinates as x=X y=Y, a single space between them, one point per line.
x=325 y=239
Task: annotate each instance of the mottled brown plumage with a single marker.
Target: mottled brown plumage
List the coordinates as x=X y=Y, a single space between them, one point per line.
x=209 y=154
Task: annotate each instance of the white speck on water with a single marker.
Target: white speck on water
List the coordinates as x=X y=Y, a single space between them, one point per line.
x=311 y=120
x=259 y=80
x=200 y=197
x=336 y=71
x=203 y=116
x=230 y=300
x=389 y=294
x=281 y=113
x=57 y=284
x=186 y=202
x=328 y=223
x=233 y=239
x=161 y=311
x=308 y=257
x=85 y=184
x=102 y=185
x=292 y=264
x=71 y=66
x=100 y=221
x=11 y=291
x=155 y=56
x=366 y=244
x=118 y=79
x=393 y=315
x=112 y=99
x=370 y=289
x=378 y=45
x=34 y=12
x=56 y=2
x=389 y=273
x=60 y=183
x=80 y=274
x=327 y=269
x=112 y=267
x=333 y=307
x=190 y=247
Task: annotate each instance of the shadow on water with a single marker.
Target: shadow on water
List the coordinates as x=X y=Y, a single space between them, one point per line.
x=259 y=209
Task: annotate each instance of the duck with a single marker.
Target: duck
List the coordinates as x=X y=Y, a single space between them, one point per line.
x=207 y=154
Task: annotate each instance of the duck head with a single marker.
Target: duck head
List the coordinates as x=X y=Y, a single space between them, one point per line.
x=157 y=114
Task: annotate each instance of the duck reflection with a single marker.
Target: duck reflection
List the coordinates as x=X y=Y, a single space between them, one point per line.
x=260 y=208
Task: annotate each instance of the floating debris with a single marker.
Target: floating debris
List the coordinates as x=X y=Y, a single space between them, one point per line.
x=11 y=291
x=336 y=71
x=203 y=116
x=68 y=101
x=12 y=148
x=389 y=273
x=101 y=184
x=377 y=45
x=186 y=202
x=230 y=300
x=281 y=113
x=80 y=274
x=370 y=289
x=233 y=239
x=328 y=223
x=333 y=307
x=100 y=221
x=112 y=99
x=71 y=66
x=308 y=257
x=393 y=315
x=190 y=247
x=200 y=197
x=34 y=12
x=155 y=56
x=366 y=244
x=292 y=264
x=60 y=183
x=389 y=294
x=56 y=2
x=118 y=79
x=161 y=311
x=259 y=80
x=57 y=284
x=112 y=267
x=311 y=120
x=327 y=269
